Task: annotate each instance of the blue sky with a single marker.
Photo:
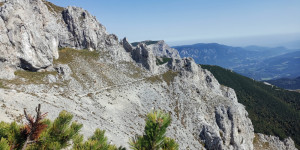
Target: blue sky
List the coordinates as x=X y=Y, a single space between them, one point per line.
x=232 y=22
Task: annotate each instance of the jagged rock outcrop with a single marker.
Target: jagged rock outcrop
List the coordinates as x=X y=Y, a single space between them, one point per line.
x=229 y=126
x=115 y=87
x=84 y=30
x=268 y=142
x=142 y=55
x=161 y=49
x=32 y=30
x=127 y=46
x=27 y=38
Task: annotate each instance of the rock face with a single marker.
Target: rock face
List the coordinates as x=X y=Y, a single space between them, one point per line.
x=113 y=85
x=267 y=142
x=27 y=38
x=142 y=55
x=161 y=49
x=32 y=30
x=83 y=30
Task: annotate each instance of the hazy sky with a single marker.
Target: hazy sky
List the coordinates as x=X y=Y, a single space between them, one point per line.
x=235 y=22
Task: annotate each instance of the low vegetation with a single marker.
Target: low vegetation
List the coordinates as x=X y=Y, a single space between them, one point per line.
x=272 y=110
x=1 y=4
x=154 y=137
x=34 y=77
x=67 y=55
x=1 y=85
x=62 y=133
x=168 y=77
x=53 y=8
x=259 y=144
x=163 y=60
x=80 y=61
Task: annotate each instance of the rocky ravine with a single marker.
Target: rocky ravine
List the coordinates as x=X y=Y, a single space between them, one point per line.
x=111 y=85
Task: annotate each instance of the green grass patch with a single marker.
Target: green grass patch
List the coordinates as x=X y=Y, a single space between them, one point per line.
x=33 y=77
x=163 y=60
x=53 y=8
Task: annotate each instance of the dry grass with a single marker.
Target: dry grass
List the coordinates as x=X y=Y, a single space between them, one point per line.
x=33 y=77
x=53 y=8
x=67 y=55
x=169 y=76
x=259 y=144
x=1 y=4
x=2 y=86
x=133 y=71
x=154 y=79
x=80 y=61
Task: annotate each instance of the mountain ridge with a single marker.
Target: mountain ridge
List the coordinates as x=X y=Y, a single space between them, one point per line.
x=252 y=61
x=111 y=84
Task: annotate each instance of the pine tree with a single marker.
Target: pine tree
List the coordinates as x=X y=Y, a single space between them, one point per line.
x=59 y=134
x=97 y=142
x=12 y=134
x=154 y=137
x=43 y=134
x=33 y=129
x=4 y=144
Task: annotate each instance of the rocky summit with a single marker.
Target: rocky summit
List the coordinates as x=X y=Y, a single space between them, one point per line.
x=64 y=59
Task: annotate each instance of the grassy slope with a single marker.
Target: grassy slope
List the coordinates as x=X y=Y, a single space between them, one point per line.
x=273 y=111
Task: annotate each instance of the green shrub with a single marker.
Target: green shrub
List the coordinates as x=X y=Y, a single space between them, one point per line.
x=4 y=144
x=154 y=137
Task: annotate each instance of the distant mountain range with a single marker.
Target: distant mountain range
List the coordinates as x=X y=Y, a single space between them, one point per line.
x=260 y=63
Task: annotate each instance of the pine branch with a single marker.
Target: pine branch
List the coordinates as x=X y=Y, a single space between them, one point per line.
x=34 y=127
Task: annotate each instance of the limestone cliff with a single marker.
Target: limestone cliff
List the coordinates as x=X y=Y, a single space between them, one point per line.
x=160 y=49
x=111 y=85
x=33 y=30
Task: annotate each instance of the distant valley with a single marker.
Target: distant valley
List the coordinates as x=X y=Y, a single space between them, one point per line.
x=286 y=83
x=259 y=63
